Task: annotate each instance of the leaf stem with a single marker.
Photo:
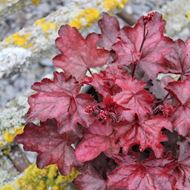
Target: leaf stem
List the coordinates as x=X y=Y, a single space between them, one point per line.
x=90 y=71
x=134 y=68
x=165 y=97
x=160 y=102
x=128 y=18
x=18 y=159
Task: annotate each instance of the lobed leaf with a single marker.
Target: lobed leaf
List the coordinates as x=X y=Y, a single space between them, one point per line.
x=52 y=148
x=78 y=54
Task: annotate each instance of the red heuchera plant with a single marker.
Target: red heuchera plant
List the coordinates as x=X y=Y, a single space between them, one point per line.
x=122 y=127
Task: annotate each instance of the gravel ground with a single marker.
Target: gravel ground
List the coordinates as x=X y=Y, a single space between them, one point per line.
x=17 y=84
x=139 y=7
x=27 y=16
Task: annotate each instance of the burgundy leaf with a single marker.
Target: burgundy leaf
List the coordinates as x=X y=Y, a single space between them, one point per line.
x=148 y=134
x=102 y=129
x=59 y=99
x=89 y=180
x=178 y=60
x=182 y=170
x=52 y=148
x=144 y=44
x=133 y=97
x=109 y=26
x=79 y=116
x=181 y=118
x=91 y=146
x=78 y=54
x=44 y=104
x=104 y=82
x=147 y=175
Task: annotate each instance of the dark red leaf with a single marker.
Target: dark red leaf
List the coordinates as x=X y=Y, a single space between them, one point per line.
x=102 y=129
x=91 y=146
x=148 y=134
x=44 y=104
x=133 y=97
x=178 y=60
x=89 y=180
x=182 y=170
x=109 y=26
x=52 y=148
x=181 y=118
x=146 y=175
x=59 y=99
x=144 y=44
x=104 y=82
x=79 y=116
x=78 y=54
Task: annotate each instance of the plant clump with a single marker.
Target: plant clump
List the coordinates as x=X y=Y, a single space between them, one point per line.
x=130 y=129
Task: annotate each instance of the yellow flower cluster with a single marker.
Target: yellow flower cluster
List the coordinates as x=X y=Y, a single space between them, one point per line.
x=42 y=179
x=19 y=40
x=112 y=4
x=9 y=136
x=45 y=25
